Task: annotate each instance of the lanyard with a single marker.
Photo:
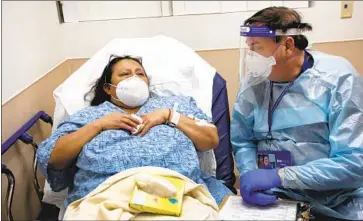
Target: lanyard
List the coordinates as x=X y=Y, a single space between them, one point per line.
x=272 y=107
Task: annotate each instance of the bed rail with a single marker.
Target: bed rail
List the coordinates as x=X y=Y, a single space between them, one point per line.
x=40 y=115
x=23 y=136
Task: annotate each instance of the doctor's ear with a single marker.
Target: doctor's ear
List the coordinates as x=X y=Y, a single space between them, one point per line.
x=290 y=46
x=290 y=43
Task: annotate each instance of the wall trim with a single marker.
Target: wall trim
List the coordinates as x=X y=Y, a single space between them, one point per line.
x=337 y=41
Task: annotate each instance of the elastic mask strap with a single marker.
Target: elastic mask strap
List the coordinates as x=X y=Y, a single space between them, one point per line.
x=287 y=60
x=278 y=47
x=152 y=87
x=111 y=94
x=116 y=98
x=111 y=85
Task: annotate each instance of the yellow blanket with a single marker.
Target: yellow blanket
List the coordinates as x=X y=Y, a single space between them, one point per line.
x=110 y=200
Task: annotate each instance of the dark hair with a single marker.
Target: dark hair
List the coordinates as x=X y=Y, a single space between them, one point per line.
x=97 y=89
x=282 y=18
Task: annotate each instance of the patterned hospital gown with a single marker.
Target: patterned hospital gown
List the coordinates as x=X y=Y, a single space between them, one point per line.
x=112 y=151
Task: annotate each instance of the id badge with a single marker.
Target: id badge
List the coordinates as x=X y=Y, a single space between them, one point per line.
x=273 y=159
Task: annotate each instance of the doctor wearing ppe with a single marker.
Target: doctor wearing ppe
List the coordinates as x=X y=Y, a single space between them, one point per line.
x=302 y=101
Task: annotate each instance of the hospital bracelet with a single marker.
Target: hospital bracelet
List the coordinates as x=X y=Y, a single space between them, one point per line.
x=175 y=116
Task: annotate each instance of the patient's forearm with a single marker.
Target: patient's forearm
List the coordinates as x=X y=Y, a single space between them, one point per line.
x=69 y=146
x=203 y=137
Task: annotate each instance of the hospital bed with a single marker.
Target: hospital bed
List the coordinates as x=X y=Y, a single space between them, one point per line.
x=173 y=69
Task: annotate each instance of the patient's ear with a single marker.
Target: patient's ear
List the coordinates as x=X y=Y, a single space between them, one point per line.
x=107 y=89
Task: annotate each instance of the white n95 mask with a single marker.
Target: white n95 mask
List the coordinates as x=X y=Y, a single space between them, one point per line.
x=132 y=91
x=255 y=69
x=258 y=65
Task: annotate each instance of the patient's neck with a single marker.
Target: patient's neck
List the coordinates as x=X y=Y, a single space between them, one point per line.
x=129 y=110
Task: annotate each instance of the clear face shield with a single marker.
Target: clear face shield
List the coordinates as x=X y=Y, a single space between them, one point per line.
x=256 y=61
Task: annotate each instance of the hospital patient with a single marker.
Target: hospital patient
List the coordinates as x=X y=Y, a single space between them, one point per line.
x=105 y=138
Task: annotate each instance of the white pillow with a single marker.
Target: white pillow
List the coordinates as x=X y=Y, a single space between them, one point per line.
x=164 y=59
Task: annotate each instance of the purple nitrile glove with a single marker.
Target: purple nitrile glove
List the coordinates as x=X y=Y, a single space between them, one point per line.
x=253 y=184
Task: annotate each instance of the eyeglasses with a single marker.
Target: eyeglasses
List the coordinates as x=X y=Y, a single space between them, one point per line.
x=114 y=56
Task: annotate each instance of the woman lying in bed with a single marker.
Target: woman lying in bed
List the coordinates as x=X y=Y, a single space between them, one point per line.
x=102 y=140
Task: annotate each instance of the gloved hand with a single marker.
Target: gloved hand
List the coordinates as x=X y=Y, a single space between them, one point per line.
x=255 y=186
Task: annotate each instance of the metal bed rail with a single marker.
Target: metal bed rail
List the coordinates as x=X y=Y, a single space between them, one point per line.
x=23 y=136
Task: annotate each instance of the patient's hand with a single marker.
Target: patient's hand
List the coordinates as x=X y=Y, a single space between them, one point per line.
x=153 y=119
x=117 y=120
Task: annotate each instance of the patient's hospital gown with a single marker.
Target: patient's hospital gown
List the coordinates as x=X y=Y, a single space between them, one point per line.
x=113 y=151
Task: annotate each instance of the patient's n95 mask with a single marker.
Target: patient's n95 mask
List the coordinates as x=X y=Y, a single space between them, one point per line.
x=133 y=91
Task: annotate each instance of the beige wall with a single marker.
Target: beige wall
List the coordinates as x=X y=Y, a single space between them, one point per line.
x=351 y=50
x=15 y=113
x=39 y=97
x=28 y=27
